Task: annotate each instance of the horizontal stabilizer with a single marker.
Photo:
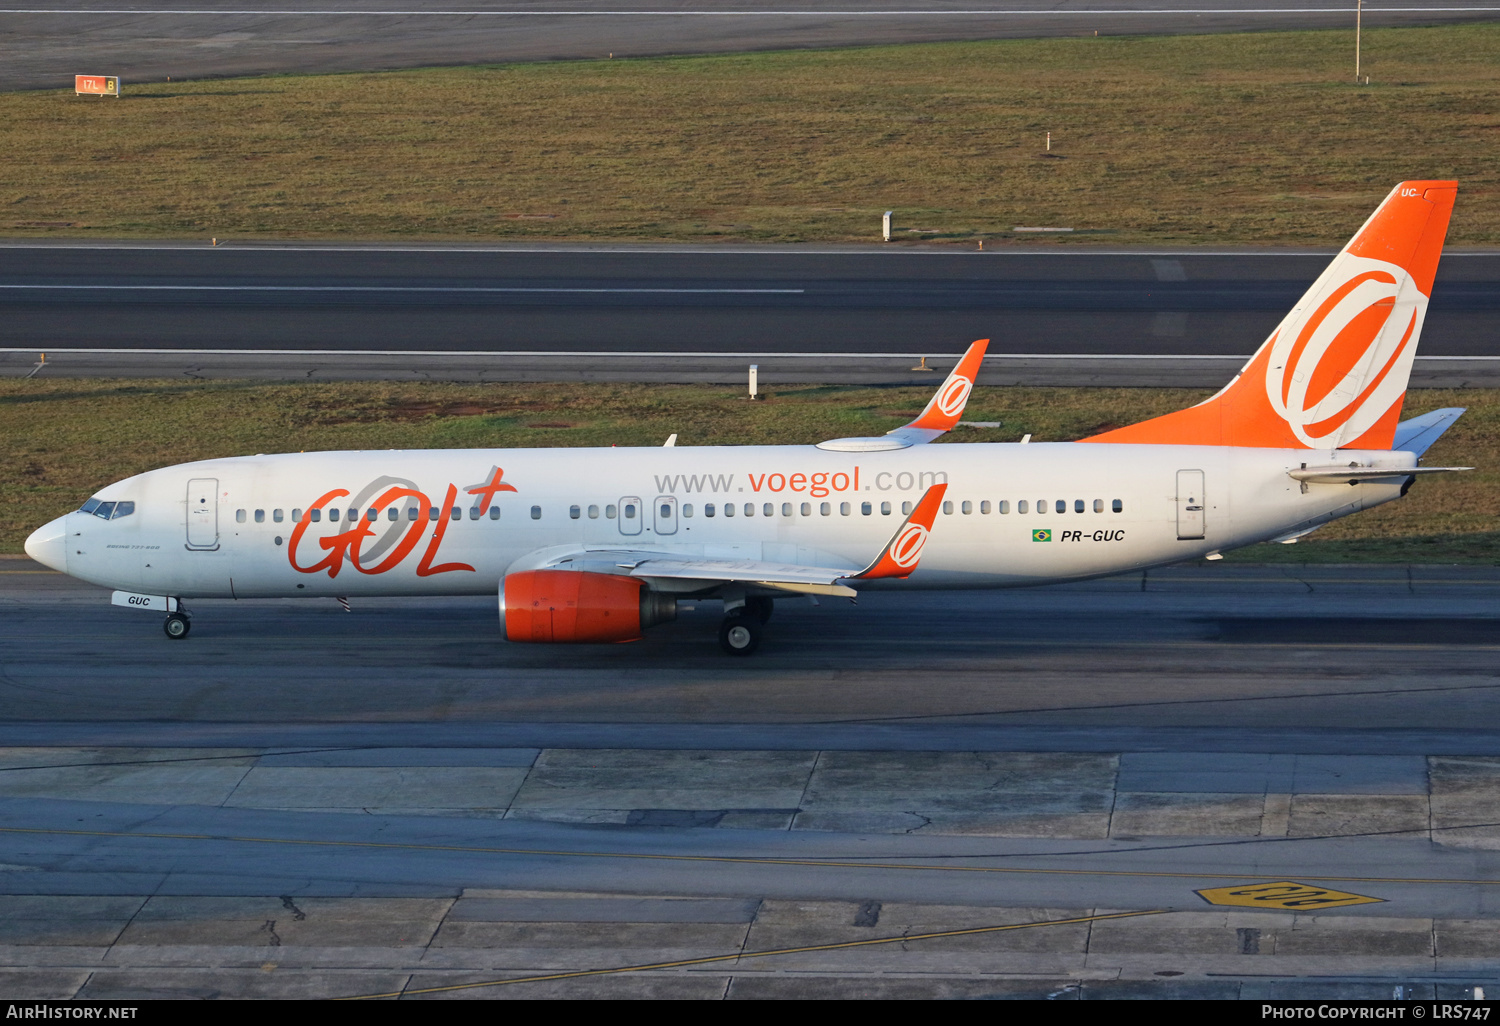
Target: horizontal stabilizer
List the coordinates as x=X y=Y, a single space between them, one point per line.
x=1418 y=434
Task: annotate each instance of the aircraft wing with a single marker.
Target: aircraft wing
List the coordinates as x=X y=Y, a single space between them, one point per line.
x=898 y=559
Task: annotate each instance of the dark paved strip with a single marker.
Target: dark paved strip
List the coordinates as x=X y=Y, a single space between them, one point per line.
x=779 y=300
x=43 y=45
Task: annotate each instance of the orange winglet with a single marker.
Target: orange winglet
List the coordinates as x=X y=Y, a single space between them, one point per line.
x=947 y=406
x=1334 y=373
x=899 y=558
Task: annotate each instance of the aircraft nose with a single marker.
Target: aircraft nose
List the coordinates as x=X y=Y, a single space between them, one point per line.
x=49 y=545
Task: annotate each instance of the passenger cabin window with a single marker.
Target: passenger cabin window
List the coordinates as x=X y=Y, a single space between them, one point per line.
x=729 y=509
x=609 y=512
x=1021 y=507
x=749 y=509
x=474 y=512
x=825 y=508
x=333 y=515
x=1077 y=505
x=1003 y=506
x=967 y=507
x=296 y=516
x=495 y=513
x=276 y=515
x=844 y=509
x=454 y=513
x=865 y=508
x=807 y=509
x=770 y=509
x=574 y=512
x=708 y=509
x=593 y=512
x=885 y=509
x=786 y=509
x=628 y=509
x=666 y=511
x=315 y=514
x=1062 y=505
x=260 y=516
x=687 y=509
x=947 y=508
x=906 y=508
x=1098 y=505
x=1118 y=506
x=536 y=512
x=239 y=516
x=392 y=513
x=371 y=515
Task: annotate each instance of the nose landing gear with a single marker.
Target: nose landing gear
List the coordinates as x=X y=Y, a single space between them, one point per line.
x=178 y=624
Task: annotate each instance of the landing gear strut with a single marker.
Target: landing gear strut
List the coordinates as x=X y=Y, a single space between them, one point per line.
x=760 y=607
x=177 y=625
x=740 y=635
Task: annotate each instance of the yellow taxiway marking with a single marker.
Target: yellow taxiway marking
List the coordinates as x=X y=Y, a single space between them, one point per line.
x=759 y=954
x=1283 y=894
x=743 y=860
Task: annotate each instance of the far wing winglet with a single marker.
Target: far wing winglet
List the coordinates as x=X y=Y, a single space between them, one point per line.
x=899 y=557
x=941 y=415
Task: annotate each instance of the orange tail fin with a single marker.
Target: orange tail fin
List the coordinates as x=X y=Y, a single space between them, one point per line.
x=1333 y=374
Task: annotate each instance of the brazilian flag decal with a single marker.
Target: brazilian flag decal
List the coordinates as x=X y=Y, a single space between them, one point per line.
x=1041 y=534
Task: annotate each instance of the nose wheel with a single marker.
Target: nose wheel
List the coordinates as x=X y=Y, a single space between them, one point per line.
x=740 y=635
x=177 y=626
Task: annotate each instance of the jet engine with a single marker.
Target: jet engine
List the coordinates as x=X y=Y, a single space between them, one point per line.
x=562 y=606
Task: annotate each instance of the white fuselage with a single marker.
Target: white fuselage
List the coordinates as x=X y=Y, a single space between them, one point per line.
x=224 y=528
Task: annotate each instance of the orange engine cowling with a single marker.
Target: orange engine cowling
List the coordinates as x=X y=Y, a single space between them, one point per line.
x=562 y=606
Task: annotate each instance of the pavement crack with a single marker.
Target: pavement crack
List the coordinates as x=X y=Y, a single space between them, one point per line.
x=297 y=914
x=270 y=930
x=926 y=822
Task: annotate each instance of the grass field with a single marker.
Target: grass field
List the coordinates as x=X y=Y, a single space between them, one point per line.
x=1259 y=138
x=67 y=438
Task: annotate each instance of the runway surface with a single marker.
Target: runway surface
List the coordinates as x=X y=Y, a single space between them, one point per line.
x=299 y=800
x=303 y=801
x=44 y=45
x=538 y=313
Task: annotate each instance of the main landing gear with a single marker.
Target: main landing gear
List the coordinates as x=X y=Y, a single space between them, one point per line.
x=178 y=624
x=741 y=631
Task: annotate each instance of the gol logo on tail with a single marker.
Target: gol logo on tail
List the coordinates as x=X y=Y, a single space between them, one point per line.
x=1330 y=373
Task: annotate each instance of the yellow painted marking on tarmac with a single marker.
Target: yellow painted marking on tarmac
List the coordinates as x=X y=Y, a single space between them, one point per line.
x=1283 y=894
x=743 y=860
x=758 y=954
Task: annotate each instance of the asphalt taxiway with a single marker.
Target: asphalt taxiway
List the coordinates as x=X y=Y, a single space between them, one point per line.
x=44 y=45
x=1008 y=794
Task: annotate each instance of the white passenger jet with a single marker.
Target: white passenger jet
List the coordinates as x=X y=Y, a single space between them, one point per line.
x=596 y=545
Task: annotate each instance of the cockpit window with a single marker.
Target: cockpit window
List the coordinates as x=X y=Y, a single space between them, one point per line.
x=107 y=510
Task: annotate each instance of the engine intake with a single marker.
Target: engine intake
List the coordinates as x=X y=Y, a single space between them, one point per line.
x=569 y=606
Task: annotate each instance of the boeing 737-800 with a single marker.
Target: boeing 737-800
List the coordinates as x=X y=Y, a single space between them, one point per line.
x=597 y=545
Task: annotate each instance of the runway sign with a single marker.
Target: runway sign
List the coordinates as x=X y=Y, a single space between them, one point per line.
x=96 y=85
x=1283 y=895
